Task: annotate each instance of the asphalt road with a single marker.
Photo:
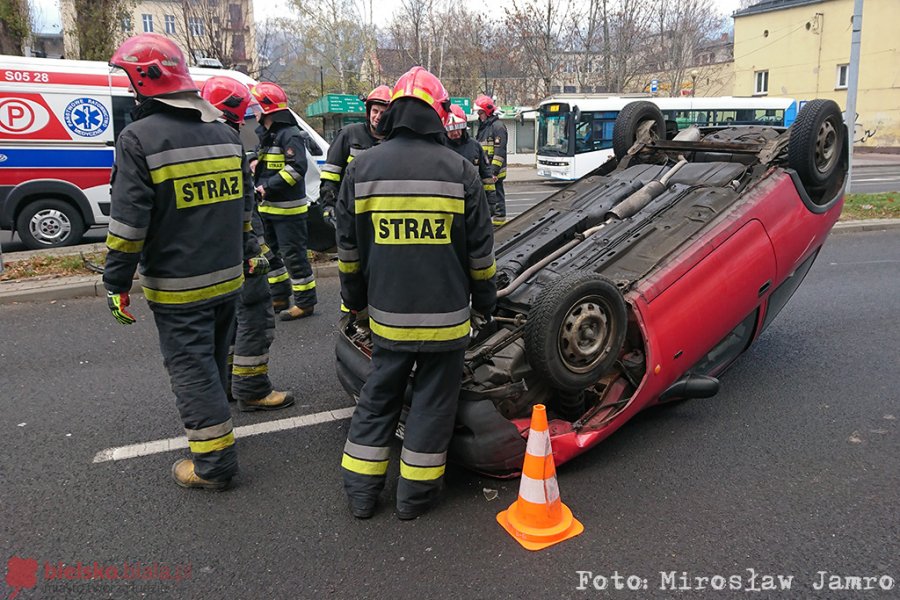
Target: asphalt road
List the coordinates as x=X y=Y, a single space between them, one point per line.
x=521 y=196
x=794 y=468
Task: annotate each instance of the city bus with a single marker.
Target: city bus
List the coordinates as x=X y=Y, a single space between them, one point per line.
x=575 y=132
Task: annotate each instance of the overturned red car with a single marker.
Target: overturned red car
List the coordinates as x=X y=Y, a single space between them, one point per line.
x=640 y=283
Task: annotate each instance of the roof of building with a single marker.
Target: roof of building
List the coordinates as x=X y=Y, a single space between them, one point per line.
x=771 y=5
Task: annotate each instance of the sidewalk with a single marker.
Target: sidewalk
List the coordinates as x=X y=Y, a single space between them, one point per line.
x=62 y=288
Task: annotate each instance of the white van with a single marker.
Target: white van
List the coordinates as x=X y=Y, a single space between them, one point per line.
x=59 y=120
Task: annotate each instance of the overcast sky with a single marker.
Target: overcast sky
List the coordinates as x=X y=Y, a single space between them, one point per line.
x=47 y=11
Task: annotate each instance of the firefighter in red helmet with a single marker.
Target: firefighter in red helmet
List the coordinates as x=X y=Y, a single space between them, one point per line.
x=348 y=144
x=181 y=202
x=280 y=182
x=458 y=136
x=493 y=137
x=415 y=254
x=248 y=357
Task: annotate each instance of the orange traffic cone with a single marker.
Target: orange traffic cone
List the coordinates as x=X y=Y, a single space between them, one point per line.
x=538 y=518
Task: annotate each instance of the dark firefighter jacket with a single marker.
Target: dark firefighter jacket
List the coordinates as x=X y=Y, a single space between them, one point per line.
x=493 y=137
x=181 y=204
x=415 y=243
x=349 y=143
x=475 y=154
x=281 y=170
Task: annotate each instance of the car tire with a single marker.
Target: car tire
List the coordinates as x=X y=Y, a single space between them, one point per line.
x=630 y=119
x=817 y=142
x=49 y=223
x=575 y=330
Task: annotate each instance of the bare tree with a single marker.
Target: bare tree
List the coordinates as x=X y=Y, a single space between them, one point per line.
x=679 y=28
x=15 y=26
x=539 y=28
x=97 y=27
x=335 y=35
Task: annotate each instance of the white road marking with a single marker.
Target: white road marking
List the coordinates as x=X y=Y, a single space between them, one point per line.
x=160 y=446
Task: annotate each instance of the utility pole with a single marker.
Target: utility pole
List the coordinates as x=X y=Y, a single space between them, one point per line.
x=852 y=83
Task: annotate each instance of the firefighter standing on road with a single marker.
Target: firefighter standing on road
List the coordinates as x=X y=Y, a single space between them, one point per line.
x=181 y=196
x=465 y=146
x=349 y=143
x=493 y=137
x=414 y=248
x=279 y=177
x=249 y=356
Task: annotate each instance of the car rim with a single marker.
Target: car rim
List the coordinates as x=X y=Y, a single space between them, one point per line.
x=584 y=335
x=49 y=226
x=826 y=147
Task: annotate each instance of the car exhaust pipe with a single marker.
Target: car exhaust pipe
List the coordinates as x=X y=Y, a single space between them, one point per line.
x=623 y=210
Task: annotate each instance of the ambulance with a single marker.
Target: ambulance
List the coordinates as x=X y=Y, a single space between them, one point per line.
x=59 y=120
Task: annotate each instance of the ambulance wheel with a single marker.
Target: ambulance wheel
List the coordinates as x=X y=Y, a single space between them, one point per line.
x=49 y=223
x=576 y=330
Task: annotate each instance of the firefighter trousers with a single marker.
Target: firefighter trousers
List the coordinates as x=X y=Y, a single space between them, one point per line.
x=498 y=209
x=194 y=345
x=287 y=238
x=428 y=428
x=255 y=330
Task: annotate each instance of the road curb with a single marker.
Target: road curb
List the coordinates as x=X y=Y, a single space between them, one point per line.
x=64 y=288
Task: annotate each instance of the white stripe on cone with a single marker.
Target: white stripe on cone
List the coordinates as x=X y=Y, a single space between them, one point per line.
x=538 y=491
x=538 y=443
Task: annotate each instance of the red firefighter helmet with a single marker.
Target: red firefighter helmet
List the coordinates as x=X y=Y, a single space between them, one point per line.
x=380 y=95
x=419 y=83
x=271 y=97
x=155 y=65
x=228 y=95
x=456 y=119
x=484 y=103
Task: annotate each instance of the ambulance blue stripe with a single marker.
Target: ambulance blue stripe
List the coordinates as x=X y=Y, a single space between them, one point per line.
x=56 y=158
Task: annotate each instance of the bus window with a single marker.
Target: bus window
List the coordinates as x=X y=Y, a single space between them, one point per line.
x=594 y=131
x=552 y=133
x=525 y=137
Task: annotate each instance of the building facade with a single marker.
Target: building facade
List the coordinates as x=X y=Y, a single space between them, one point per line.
x=801 y=49
x=213 y=33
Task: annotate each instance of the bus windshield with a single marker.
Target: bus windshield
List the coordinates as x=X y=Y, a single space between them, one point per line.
x=553 y=127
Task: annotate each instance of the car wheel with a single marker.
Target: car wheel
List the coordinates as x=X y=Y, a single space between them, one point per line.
x=49 y=224
x=575 y=330
x=629 y=120
x=817 y=141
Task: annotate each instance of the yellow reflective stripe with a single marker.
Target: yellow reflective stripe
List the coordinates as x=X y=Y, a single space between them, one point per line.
x=274 y=210
x=264 y=248
x=302 y=287
x=502 y=175
x=287 y=177
x=114 y=242
x=483 y=274
x=186 y=296
x=279 y=278
x=329 y=176
x=219 y=443
x=344 y=309
x=420 y=473
x=348 y=267
x=490 y=187
x=411 y=203
x=417 y=92
x=364 y=467
x=497 y=162
x=250 y=371
x=248 y=226
x=420 y=334
x=350 y=159
x=199 y=167
x=275 y=156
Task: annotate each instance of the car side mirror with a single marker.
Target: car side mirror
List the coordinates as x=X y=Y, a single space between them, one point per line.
x=576 y=112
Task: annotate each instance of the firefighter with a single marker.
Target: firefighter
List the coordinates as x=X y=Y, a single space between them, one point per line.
x=465 y=146
x=492 y=136
x=415 y=247
x=181 y=203
x=248 y=357
x=349 y=143
x=279 y=177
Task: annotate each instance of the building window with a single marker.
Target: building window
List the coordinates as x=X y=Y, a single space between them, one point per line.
x=762 y=83
x=842 y=72
x=195 y=24
x=126 y=24
x=170 y=24
x=147 y=20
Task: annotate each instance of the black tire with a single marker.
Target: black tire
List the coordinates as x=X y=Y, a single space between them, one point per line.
x=817 y=141
x=575 y=330
x=629 y=120
x=49 y=223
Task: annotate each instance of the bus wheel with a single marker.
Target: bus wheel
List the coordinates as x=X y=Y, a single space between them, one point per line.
x=817 y=140
x=49 y=224
x=629 y=120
